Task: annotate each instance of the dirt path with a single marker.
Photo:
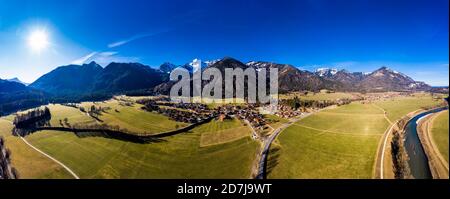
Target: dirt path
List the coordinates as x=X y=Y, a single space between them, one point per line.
x=384 y=113
x=438 y=165
x=48 y=156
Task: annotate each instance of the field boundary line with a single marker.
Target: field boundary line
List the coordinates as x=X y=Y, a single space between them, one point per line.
x=384 y=113
x=231 y=140
x=335 y=132
x=340 y=113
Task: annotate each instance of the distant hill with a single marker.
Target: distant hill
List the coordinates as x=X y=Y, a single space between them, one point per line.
x=93 y=82
x=121 y=77
x=7 y=86
x=17 y=80
x=385 y=79
x=88 y=82
x=15 y=96
x=382 y=79
x=69 y=80
x=91 y=78
x=293 y=79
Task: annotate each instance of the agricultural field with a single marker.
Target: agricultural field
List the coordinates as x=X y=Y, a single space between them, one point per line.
x=439 y=133
x=133 y=118
x=334 y=143
x=222 y=132
x=73 y=115
x=398 y=107
x=28 y=162
x=341 y=142
x=179 y=156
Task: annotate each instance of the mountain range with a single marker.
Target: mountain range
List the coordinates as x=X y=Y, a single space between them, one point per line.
x=91 y=81
x=17 y=80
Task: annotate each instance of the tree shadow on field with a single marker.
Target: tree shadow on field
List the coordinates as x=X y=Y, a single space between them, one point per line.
x=123 y=137
x=272 y=159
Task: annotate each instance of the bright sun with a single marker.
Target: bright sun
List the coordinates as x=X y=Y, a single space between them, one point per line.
x=38 y=40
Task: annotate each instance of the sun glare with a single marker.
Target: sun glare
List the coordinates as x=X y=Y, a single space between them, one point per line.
x=38 y=40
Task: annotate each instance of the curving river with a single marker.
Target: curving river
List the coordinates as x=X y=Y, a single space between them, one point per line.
x=418 y=161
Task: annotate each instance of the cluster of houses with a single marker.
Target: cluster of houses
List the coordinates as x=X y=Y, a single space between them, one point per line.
x=180 y=112
x=247 y=113
x=184 y=115
x=284 y=111
x=197 y=112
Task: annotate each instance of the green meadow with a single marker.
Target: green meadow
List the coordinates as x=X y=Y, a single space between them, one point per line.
x=340 y=142
x=133 y=118
x=398 y=107
x=334 y=143
x=28 y=162
x=439 y=133
x=179 y=156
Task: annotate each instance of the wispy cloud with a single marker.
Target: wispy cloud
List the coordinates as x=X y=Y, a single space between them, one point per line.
x=133 y=38
x=83 y=59
x=104 y=58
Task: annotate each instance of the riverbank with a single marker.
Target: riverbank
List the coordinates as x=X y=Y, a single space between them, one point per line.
x=385 y=167
x=438 y=166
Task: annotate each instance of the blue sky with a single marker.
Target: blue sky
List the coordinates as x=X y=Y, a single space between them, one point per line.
x=358 y=35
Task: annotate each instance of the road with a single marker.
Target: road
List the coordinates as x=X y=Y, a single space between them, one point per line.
x=262 y=163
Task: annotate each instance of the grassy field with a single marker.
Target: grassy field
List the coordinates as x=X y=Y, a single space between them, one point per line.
x=398 y=107
x=275 y=121
x=134 y=119
x=74 y=115
x=218 y=132
x=439 y=133
x=334 y=143
x=28 y=162
x=179 y=156
x=340 y=142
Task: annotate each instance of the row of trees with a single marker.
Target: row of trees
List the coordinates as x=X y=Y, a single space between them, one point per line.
x=32 y=118
x=399 y=156
x=296 y=103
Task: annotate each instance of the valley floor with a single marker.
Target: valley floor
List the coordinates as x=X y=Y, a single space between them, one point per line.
x=339 y=142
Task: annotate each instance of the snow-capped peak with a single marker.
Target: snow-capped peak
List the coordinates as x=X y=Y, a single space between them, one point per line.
x=209 y=63
x=258 y=64
x=197 y=63
x=326 y=71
